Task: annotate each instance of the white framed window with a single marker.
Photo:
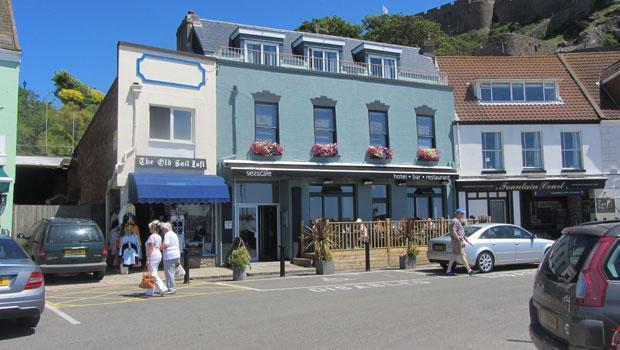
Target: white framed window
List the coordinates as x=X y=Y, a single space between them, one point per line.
x=571 y=150
x=170 y=124
x=492 y=152
x=324 y=60
x=518 y=92
x=382 y=67
x=260 y=52
x=531 y=145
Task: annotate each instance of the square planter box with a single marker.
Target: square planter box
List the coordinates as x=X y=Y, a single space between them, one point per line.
x=407 y=262
x=324 y=267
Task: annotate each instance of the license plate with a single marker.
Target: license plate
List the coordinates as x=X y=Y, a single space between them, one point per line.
x=75 y=252
x=548 y=319
x=439 y=247
x=4 y=281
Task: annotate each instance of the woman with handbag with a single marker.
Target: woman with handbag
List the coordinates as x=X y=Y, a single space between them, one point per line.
x=153 y=258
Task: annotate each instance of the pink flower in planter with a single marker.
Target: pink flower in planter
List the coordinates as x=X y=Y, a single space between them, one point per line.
x=324 y=150
x=380 y=152
x=266 y=148
x=428 y=154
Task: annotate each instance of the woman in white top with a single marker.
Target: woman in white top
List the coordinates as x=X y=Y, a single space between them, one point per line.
x=153 y=257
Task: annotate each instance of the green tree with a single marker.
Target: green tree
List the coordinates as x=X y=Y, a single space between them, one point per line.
x=30 y=121
x=332 y=26
x=71 y=90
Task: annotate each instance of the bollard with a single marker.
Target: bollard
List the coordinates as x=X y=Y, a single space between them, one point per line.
x=367 y=248
x=282 y=268
x=186 y=265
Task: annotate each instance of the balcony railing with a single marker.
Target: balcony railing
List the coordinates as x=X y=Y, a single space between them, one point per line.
x=270 y=58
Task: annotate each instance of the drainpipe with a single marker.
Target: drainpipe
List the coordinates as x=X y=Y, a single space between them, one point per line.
x=136 y=89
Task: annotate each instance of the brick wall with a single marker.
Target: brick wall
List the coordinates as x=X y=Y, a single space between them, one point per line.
x=94 y=157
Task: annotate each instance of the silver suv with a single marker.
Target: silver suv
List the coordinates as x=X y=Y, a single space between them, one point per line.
x=576 y=299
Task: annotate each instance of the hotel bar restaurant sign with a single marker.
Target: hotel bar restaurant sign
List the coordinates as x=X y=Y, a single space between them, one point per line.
x=170 y=163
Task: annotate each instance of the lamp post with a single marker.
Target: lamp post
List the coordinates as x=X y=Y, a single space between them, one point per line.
x=47 y=105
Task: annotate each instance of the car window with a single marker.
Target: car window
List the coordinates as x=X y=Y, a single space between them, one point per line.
x=470 y=230
x=73 y=234
x=567 y=256
x=488 y=234
x=9 y=249
x=519 y=233
x=612 y=265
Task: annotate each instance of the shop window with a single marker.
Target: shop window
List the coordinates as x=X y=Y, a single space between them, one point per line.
x=492 y=154
x=324 y=125
x=426 y=131
x=532 y=150
x=199 y=226
x=380 y=202
x=333 y=202
x=266 y=122
x=378 y=125
x=256 y=192
x=571 y=150
x=170 y=124
x=425 y=202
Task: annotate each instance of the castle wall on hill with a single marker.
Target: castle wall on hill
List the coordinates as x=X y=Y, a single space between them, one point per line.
x=462 y=16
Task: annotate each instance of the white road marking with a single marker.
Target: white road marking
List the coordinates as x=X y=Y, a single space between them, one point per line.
x=62 y=315
x=237 y=286
x=336 y=279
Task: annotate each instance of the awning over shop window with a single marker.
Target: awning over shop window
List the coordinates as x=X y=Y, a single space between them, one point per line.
x=177 y=188
x=5 y=181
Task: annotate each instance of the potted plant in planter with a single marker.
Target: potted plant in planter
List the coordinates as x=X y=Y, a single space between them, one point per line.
x=380 y=152
x=408 y=232
x=324 y=150
x=239 y=260
x=428 y=154
x=266 y=148
x=320 y=236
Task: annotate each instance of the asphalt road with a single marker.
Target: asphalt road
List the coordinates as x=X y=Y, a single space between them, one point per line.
x=421 y=309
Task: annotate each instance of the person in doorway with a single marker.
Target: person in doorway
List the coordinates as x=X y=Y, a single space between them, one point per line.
x=457 y=233
x=153 y=258
x=113 y=259
x=172 y=255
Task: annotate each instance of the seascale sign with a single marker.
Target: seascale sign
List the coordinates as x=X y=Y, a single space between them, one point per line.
x=170 y=163
x=531 y=185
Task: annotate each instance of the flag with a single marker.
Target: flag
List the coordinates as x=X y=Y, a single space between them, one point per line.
x=385 y=10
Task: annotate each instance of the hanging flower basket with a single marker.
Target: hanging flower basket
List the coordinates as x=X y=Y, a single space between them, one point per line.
x=380 y=152
x=266 y=148
x=428 y=154
x=324 y=150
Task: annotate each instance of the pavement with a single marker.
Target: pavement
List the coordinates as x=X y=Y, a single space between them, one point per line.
x=393 y=309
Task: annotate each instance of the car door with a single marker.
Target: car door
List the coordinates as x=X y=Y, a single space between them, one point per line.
x=526 y=250
x=497 y=238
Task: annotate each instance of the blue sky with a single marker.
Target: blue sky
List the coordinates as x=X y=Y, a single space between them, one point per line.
x=81 y=35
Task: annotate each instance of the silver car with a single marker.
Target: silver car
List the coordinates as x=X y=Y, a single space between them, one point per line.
x=22 y=289
x=492 y=245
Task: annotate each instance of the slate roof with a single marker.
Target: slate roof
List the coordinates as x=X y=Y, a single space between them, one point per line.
x=8 y=32
x=588 y=67
x=216 y=34
x=464 y=71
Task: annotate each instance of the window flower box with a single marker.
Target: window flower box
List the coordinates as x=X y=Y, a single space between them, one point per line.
x=266 y=148
x=380 y=152
x=325 y=150
x=428 y=154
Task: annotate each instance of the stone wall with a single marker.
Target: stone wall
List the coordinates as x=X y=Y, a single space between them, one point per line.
x=462 y=15
x=94 y=157
x=512 y=44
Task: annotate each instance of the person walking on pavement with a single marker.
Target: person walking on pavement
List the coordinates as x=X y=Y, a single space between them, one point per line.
x=172 y=255
x=457 y=233
x=153 y=258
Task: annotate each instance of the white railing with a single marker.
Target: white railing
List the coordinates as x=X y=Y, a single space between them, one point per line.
x=330 y=65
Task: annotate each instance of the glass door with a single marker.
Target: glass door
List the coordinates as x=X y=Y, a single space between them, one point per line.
x=497 y=210
x=247 y=228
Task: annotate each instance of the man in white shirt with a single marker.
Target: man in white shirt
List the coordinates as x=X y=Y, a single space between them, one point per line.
x=171 y=256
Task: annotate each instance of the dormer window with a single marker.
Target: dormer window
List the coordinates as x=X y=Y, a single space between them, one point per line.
x=518 y=92
x=382 y=67
x=262 y=53
x=323 y=59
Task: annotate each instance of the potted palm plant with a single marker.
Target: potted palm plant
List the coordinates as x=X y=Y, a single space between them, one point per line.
x=409 y=233
x=239 y=260
x=320 y=237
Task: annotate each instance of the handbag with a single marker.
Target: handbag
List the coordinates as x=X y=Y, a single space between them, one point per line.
x=147 y=282
x=180 y=271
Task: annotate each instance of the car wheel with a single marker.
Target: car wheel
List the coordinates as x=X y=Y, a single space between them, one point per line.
x=29 y=322
x=485 y=262
x=98 y=275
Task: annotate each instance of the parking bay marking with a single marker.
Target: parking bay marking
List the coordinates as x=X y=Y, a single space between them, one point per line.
x=62 y=315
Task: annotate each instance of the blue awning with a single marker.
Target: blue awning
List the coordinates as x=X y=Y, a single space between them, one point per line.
x=177 y=188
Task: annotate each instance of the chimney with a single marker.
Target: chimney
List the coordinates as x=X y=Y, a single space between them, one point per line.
x=428 y=47
x=184 y=32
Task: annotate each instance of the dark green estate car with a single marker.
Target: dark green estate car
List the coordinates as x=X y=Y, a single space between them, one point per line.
x=66 y=246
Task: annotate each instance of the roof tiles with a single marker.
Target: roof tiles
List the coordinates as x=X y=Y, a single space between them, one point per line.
x=8 y=33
